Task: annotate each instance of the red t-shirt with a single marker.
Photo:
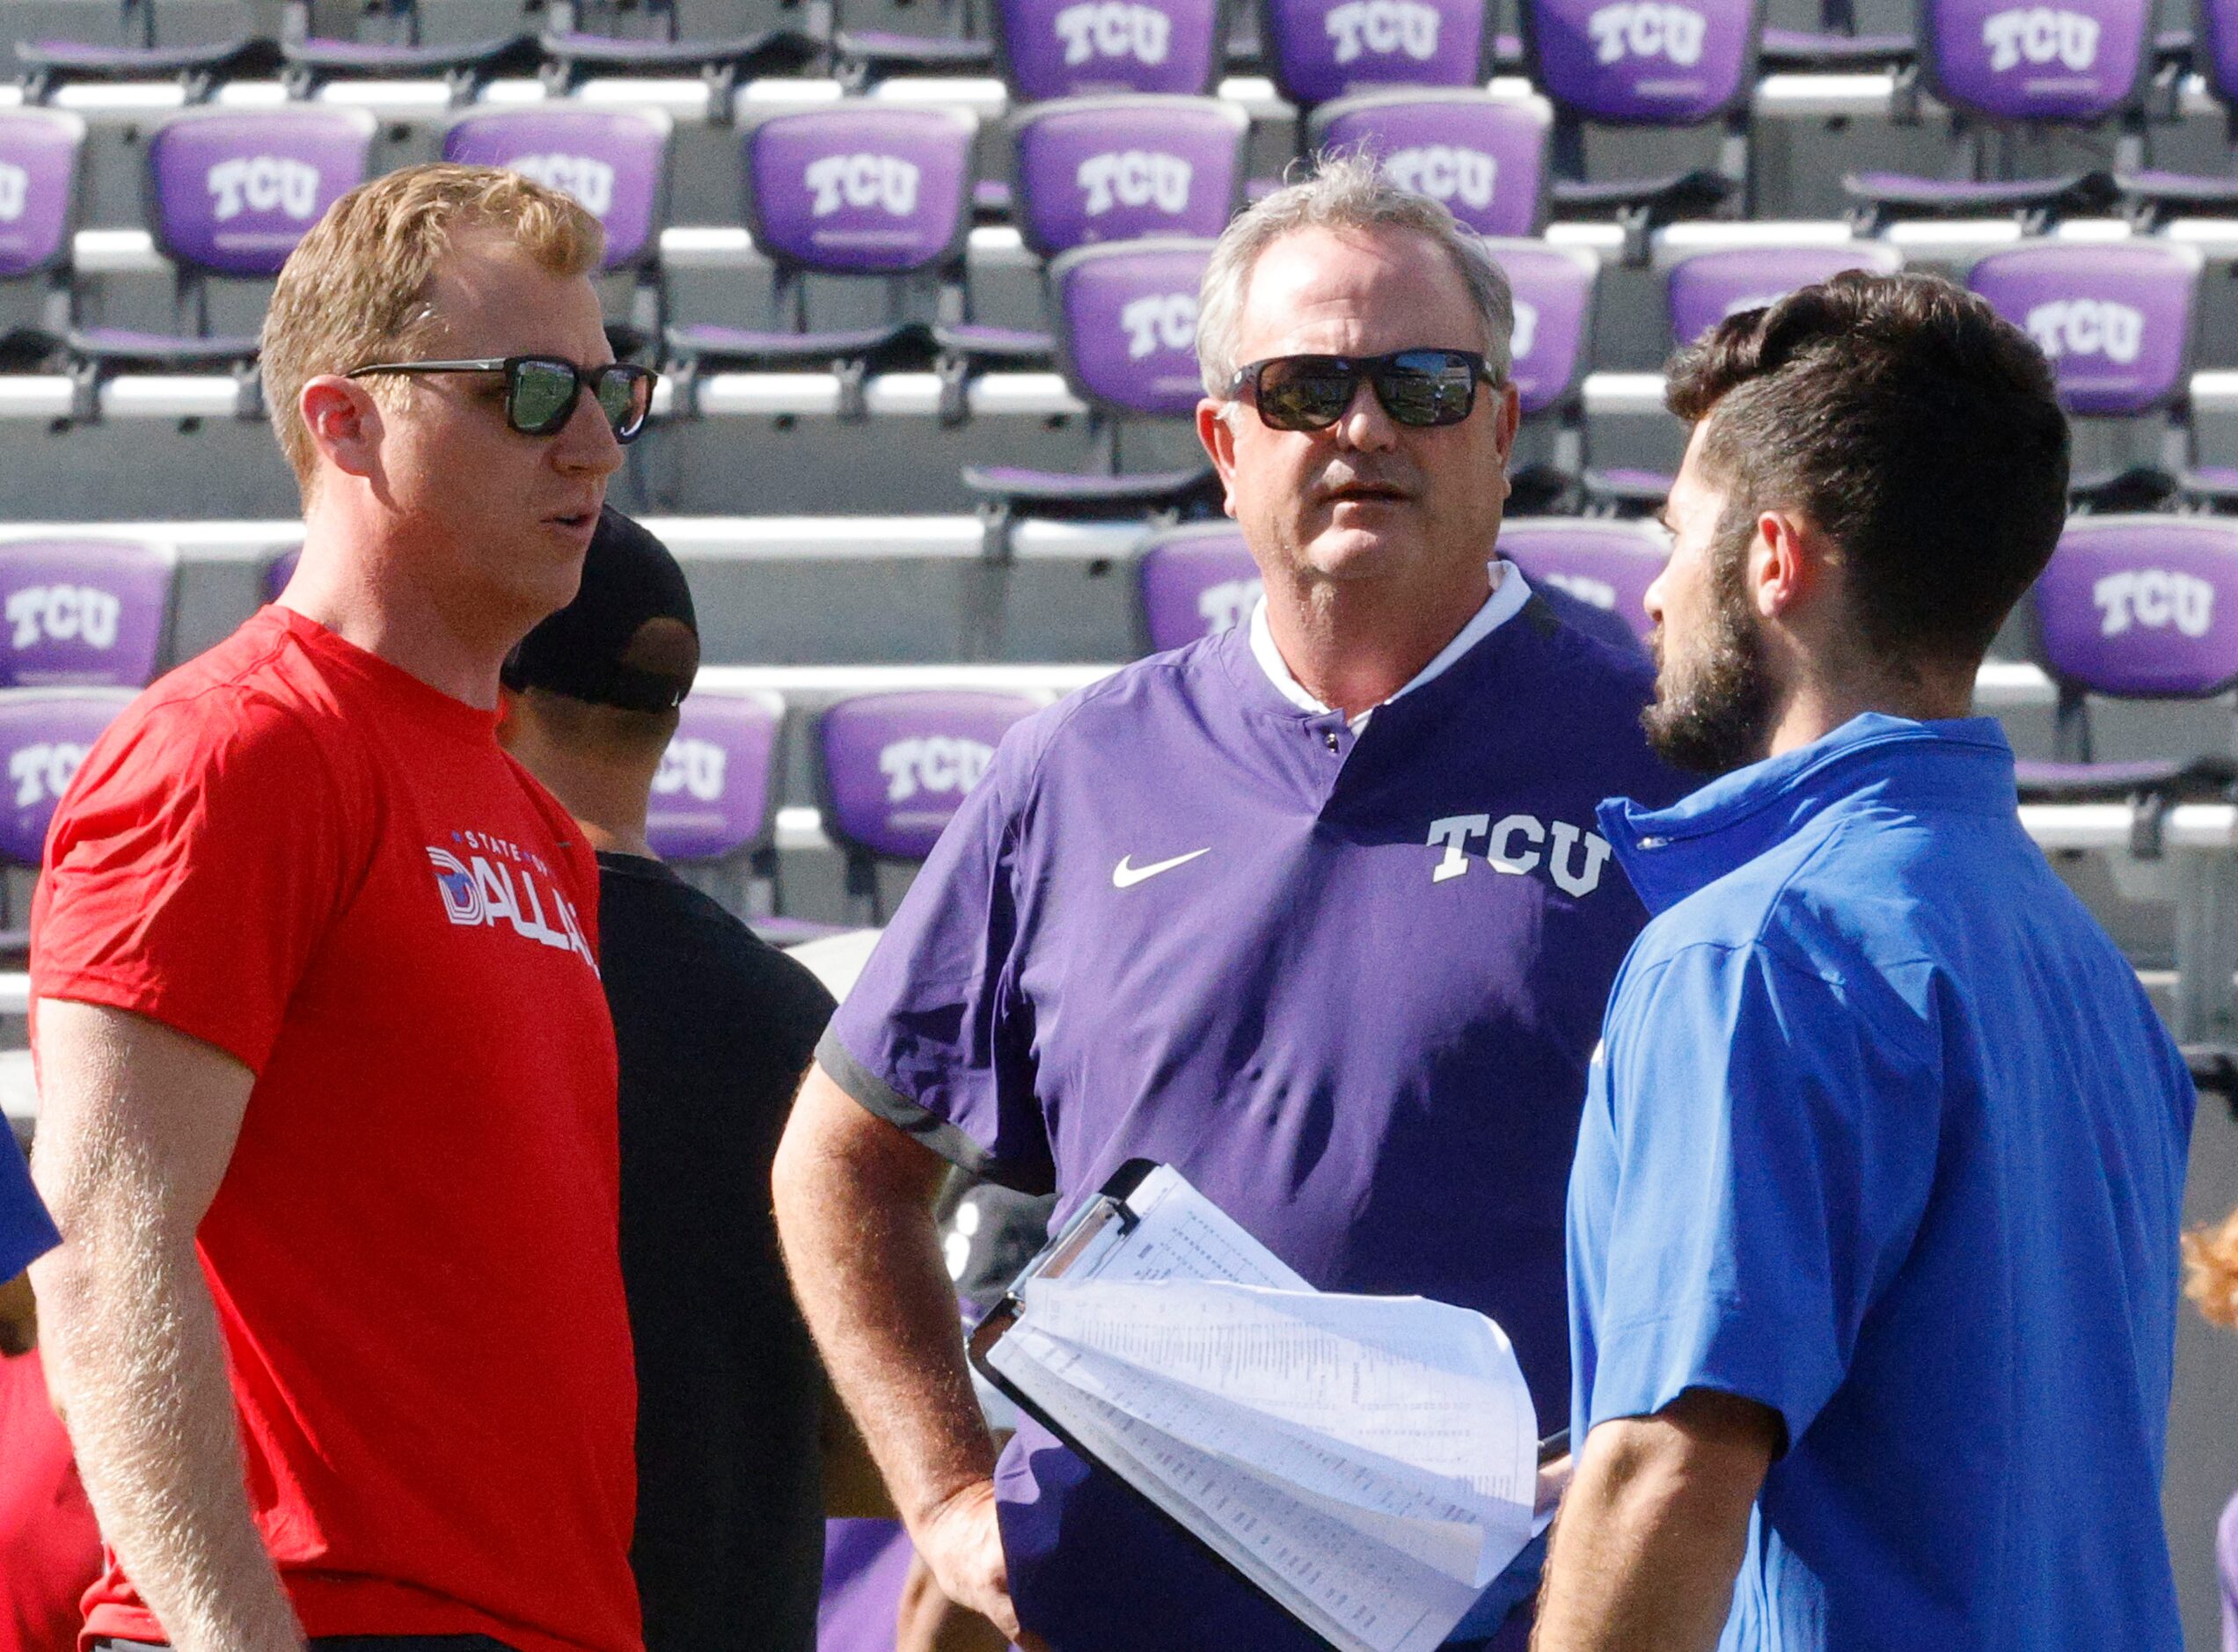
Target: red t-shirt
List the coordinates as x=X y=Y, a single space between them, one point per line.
x=299 y=853
x=50 y=1547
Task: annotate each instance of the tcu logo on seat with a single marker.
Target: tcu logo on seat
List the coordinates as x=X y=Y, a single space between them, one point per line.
x=1156 y=322
x=2154 y=599
x=2039 y=34
x=696 y=766
x=1136 y=178
x=1383 y=27
x=1601 y=593
x=1520 y=843
x=15 y=192
x=1444 y=173
x=1648 y=28
x=43 y=771
x=2087 y=326
x=589 y=180
x=1113 y=29
x=933 y=763
x=63 y=613
x=1222 y=607
x=863 y=181
x=264 y=183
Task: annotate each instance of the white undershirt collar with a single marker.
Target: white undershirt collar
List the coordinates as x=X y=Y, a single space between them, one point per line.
x=1510 y=592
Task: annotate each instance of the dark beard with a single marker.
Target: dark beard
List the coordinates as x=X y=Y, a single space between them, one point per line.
x=1719 y=717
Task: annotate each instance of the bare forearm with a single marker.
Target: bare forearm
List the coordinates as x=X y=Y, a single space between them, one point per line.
x=133 y=1349
x=866 y=1263
x=1653 y=1530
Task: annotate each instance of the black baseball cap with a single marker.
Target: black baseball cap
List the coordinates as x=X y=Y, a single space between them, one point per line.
x=629 y=639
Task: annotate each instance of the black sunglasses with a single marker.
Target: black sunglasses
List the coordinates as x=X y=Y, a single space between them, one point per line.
x=1420 y=388
x=541 y=390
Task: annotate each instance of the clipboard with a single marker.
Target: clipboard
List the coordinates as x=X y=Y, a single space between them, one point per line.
x=1109 y=1212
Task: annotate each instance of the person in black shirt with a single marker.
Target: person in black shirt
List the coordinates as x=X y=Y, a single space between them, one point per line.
x=714 y=1029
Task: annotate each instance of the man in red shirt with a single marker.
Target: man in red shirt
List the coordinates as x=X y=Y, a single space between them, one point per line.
x=327 y=1080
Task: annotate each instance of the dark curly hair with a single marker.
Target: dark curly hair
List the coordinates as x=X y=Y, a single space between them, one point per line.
x=1913 y=426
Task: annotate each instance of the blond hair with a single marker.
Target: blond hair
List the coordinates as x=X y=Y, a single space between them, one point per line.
x=2210 y=1257
x=1346 y=190
x=355 y=290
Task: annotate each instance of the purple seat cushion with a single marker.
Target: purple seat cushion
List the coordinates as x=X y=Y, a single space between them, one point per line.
x=144 y=62
x=1937 y=196
x=766 y=50
x=2180 y=189
x=387 y=57
x=1009 y=344
x=2053 y=781
x=890 y=50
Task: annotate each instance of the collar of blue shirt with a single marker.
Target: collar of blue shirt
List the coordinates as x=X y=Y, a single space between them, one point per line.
x=1962 y=763
x=1510 y=592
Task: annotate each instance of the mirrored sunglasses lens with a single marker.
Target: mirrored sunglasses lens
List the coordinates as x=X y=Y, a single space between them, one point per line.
x=1305 y=392
x=1426 y=387
x=544 y=394
x=624 y=397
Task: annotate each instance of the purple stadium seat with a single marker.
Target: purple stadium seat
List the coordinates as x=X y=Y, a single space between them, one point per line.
x=1675 y=63
x=614 y=161
x=897 y=767
x=229 y=193
x=1126 y=342
x=1554 y=288
x=1485 y=157
x=199 y=69
x=1194 y=581
x=2152 y=196
x=1115 y=169
x=44 y=736
x=712 y=796
x=1317 y=50
x=1072 y=49
x=2068 y=63
x=83 y=612
x=2136 y=608
x=40 y=151
x=2116 y=322
x=876 y=191
x=1606 y=566
x=1704 y=288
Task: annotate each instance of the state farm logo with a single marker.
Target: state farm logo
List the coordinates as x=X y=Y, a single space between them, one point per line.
x=943 y=764
x=1135 y=178
x=697 y=767
x=62 y=613
x=42 y=772
x=1154 y=322
x=2155 y=598
x=1585 y=588
x=2088 y=326
x=264 y=183
x=884 y=182
x=2038 y=35
x=1648 y=28
x=15 y=192
x=1383 y=28
x=1223 y=607
x=589 y=179
x=1520 y=844
x=1113 y=29
x=1443 y=171
x=1524 y=339
x=490 y=881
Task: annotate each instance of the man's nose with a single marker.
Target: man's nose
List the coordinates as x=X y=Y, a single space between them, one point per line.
x=1363 y=424
x=586 y=443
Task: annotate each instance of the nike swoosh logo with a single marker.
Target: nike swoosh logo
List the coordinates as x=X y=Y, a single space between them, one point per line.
x=1126 y=875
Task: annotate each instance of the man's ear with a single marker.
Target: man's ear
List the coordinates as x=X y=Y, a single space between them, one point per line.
x=1784 y=566
x=1218 y=437
x=344 y=421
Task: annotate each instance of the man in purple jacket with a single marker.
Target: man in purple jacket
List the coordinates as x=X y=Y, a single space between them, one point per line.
x=1313 y=910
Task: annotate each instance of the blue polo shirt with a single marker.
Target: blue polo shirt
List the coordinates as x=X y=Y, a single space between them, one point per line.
x=1345 y=979
x=25 y=1233
x=1886 y=1136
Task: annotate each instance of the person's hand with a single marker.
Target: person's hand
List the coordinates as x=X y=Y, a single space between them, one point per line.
x=928 y=1621
x=961 y=1542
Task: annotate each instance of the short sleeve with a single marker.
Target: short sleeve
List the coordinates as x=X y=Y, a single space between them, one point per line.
x=934 y=1036
x=25 y=1231
x=1771 y=1142
x=193 y=869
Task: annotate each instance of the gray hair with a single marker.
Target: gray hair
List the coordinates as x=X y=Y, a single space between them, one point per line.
x=1345 y=191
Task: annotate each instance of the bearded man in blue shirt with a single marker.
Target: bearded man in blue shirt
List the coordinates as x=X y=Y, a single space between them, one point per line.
x=1314 y=910
x=1873 y=1223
